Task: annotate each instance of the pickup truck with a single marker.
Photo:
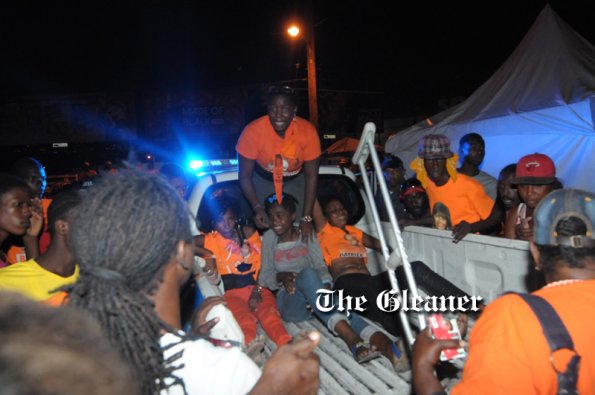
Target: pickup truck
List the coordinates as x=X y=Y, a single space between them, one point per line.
x=480 y=265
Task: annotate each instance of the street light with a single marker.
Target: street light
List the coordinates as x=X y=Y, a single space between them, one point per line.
x=294 y=31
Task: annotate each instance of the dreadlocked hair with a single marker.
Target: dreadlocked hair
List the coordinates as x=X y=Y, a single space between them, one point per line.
x=123 y=234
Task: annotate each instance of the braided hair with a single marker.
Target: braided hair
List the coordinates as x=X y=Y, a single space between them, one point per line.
x=123 y=234
x=288 y=202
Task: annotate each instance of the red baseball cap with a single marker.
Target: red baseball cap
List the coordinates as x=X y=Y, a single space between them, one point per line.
x=536 y=169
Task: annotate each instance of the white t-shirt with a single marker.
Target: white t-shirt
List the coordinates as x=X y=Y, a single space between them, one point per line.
x=209 y=369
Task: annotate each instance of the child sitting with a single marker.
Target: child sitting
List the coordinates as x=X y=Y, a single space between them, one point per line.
x=237 y=249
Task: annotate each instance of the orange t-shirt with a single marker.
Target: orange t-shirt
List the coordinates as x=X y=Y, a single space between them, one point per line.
x=260 y=142
x=17 y=254
x=228 y=254
x=508 y=353
x=336 y=243
x=466 y=199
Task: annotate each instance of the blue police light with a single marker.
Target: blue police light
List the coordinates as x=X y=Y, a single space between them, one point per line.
x=205 y=166
x=196 y=164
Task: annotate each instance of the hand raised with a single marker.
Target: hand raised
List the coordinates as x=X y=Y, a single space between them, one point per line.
x=36 y=218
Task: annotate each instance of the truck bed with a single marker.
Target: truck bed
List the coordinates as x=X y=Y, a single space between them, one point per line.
x=340 y=373
x=480 y=265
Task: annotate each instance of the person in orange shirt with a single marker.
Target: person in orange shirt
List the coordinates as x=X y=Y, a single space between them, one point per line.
x=508 y=351
x=278 y=153
x=33 y=172
x=344 y=251
x=237 y=251
x=471 y=209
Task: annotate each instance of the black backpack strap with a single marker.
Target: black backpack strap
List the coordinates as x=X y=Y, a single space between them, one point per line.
x=558 y=338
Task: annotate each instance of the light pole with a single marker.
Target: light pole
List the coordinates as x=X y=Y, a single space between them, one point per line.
x=294 y=31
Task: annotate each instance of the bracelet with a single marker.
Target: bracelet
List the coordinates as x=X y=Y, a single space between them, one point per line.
x=306 y=218
x=257 y=205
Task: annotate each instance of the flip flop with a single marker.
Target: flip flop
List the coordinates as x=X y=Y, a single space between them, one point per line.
x=370 y=356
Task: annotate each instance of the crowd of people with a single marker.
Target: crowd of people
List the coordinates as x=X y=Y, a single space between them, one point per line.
x=113 y=255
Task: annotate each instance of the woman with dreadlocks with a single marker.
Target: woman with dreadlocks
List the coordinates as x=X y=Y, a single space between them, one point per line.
x=129 y=259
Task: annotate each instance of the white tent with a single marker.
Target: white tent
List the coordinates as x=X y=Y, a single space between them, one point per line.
x=542 y=99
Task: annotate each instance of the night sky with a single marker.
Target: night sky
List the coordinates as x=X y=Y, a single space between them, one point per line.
x=418 y=55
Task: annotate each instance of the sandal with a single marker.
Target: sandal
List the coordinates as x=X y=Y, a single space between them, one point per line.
x=368 y=357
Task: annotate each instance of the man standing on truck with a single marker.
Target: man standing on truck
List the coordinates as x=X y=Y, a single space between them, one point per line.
x=277 y=153
x=511 y=350
x=471 y=209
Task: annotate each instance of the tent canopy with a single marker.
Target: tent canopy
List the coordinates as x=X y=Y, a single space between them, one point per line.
x=542 y=99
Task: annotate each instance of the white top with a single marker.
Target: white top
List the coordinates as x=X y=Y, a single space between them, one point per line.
x=209 y=369
x=490 y=184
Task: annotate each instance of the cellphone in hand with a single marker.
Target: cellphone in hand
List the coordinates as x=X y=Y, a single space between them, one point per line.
x=446 y=329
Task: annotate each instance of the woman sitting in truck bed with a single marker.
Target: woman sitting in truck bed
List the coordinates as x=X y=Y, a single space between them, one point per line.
x=344 y=250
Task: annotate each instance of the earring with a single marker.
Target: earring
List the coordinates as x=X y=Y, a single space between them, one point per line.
x=537 y=268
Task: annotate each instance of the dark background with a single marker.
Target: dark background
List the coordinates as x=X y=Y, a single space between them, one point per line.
x=129 y=60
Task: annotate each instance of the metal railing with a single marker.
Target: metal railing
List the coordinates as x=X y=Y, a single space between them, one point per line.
x=365 y=150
